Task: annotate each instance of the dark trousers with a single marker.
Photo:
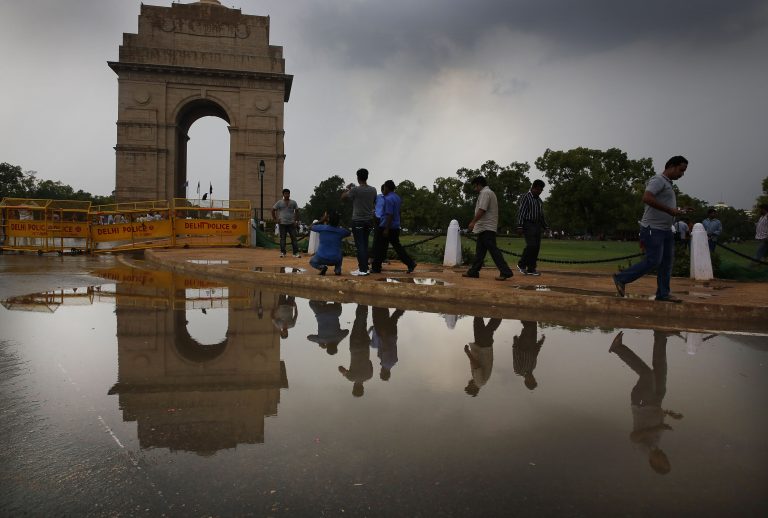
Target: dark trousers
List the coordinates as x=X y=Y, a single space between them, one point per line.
x=381 y=250
x=532 y=234
x=361 y=231
x=486 y=242
x=291 y=230
x=651 y=386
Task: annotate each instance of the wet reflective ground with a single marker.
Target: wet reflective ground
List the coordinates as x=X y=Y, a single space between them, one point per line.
x=145 y=393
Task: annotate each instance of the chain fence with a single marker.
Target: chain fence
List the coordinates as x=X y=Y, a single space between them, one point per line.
x=745 y=256
x=566 y=261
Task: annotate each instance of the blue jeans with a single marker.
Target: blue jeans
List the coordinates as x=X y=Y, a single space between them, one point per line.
x=659 y=254
x=361 y=231
x=318 y=262
x=762 y=250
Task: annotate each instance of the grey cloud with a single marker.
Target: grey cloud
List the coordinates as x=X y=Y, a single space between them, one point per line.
x=366 y=34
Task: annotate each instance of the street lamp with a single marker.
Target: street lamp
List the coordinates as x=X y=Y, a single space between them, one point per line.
x=261 y=177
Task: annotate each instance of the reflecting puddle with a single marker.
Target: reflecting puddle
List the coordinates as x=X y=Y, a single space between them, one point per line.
x=278 y=269
x=186 y=396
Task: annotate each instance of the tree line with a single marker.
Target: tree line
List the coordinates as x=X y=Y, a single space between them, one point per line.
x=590 y=192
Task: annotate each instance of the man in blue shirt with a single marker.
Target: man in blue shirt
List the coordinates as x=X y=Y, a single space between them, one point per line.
x=713 y=227
x=390 y=230
x=329 y=250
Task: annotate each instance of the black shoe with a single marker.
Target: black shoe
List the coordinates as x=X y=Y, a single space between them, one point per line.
x=520 y=269
x=411 y=268
x=620 y=286
x=669 y=298
x=535 y=273
x=323 y=270
x=471 y=275
x=504 y=277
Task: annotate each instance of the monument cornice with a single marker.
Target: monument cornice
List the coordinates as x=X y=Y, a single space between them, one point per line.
x=287 y=79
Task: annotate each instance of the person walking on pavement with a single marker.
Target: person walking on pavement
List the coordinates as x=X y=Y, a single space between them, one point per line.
x=484 y=226
x=531 y=223
x=286 y=213
x=363 y=198
x=713 y=227
x=390 y=230
x=656 y=231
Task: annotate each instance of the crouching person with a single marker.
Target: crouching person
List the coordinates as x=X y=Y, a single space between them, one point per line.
x=330 y=235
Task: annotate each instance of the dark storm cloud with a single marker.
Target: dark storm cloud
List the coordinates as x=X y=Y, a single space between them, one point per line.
x=430 y=31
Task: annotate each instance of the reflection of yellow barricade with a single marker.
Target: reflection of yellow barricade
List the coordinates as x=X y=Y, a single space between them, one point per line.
x=130 y=226
x=211 y=222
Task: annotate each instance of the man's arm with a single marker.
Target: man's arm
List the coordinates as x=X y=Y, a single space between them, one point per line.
x=478 y=214
x=650 y=199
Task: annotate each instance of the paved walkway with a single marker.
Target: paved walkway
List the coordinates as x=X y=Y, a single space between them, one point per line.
x=573 y=298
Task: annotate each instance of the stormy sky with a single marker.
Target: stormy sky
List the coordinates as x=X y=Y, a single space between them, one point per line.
x=418 y=89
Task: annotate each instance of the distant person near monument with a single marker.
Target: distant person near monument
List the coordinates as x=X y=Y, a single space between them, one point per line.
x=656 y=231
x=713 y=227
x=761 y=233
x=363 y=198
x=286 y=214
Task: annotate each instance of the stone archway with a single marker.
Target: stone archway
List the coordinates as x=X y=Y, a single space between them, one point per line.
x=189 y=61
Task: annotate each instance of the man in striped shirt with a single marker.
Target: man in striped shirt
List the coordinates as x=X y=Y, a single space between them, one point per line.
x=531 y=223
x=761 y=233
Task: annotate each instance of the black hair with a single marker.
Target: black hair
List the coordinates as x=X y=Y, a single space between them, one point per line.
x=675 y=161
x=539 y=183
x=362 y=174
x=390 y=185
x=479 y=180
x=333 y=218
x=286 y=191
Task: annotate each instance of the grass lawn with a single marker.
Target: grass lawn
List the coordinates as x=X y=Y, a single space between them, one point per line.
x=731 y=266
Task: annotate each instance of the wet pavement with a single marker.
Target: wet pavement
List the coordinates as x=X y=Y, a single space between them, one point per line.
x=141 y=392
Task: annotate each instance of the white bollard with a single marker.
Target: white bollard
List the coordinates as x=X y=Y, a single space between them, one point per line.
x=314 y=239
x=692 y=342
x=452 y=256
x=701 y=262
x=254 y=235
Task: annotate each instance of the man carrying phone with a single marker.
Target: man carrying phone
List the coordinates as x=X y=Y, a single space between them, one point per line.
x=656 y=231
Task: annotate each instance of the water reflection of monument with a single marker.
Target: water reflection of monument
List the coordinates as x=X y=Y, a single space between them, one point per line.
x=185 y=394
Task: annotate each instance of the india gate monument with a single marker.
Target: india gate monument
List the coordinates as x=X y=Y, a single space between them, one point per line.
x=190 y=61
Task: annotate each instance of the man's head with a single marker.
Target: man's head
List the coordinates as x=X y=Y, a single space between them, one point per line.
x=362 y=175
x=333 y=218
x=286 y=194
x=530 y=381
x=389 y=186
x=538 y=187
x=675 y=167
x=385 y=374
x=478 y=183
x=764 y=208
x=711 y=213
x=357 y=389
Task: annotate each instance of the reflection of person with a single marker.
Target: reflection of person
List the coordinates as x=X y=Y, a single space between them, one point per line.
x=385 y=333
x=656 y=231
x=761 y=233
x=525 y=351
x=646 y=397
x=531 y=223
x=713 y=227
x=484 y=226
x=328 y=251
x=363 y=198
x=329 y=331
x=480 y=354
x=284 y=314
x=286 y=213
x=360 y=367
x=390 y=230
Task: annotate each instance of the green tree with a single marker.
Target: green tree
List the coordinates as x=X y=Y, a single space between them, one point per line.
x=421 y=209
x=327 y=196
x=763 y=198
x=593 y=191
x=14 y=183
x=508 y=182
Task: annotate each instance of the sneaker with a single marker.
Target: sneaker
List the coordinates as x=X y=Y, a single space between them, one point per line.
x=669 y=298
x=470 y=275
x=503 y=277
x=520 y=269
x=282 y=254
x=411 y=268
x=358 y=273
x=620 y=286
x=323 y=270
x=535 y=273
x=297 y=256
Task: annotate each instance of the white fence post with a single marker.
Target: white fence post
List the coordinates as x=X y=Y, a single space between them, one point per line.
x=701 y=262
x=452 y=256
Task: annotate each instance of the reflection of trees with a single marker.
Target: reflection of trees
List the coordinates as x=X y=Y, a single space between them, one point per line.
x=189 y=396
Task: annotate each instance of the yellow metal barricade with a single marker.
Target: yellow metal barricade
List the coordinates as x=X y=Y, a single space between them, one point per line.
x=211 y=222
x=130 y=226
x=68 y=225
x=25 y=225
